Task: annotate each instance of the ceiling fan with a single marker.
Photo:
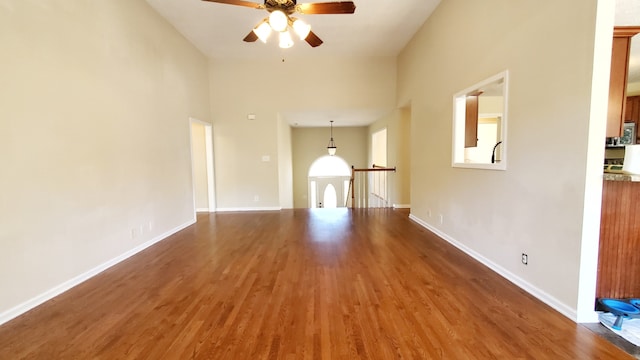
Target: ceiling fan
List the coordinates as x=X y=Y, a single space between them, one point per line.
x=280 y=18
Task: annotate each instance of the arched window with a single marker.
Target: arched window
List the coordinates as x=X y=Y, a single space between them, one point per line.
x=329 y=166
x=328 y=182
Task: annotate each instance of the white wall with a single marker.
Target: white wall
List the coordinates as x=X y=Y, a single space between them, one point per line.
x=267 y=88
x=535 y=206
x=199 y=163
x=94 y=139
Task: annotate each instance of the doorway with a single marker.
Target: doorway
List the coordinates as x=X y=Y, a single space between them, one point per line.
x=328 y=182
x=202 y=169
x=378 y=180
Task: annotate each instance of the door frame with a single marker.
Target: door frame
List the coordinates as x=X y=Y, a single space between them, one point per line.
x=209 y=159
x=340 y=190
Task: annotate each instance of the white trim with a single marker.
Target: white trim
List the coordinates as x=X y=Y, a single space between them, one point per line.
x=201 y=210
x=249 y=209
x=59 y=289
x=589 y=246
x=193 y=175
x=402 y=206
x=518 y=281
x=211 y=184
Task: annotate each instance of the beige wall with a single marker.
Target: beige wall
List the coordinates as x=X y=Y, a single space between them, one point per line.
x=311 y=143
x=267 y=88
x=398 y=125
x=285 y=164
x=94 y=138
x=535 y=206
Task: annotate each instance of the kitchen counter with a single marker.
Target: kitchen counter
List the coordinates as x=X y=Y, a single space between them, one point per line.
x=621 y=177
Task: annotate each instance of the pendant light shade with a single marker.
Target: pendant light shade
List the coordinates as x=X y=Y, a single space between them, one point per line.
x=263 y=31
x=301 y=28
x=285 y=40
x=278 y=20
x=331 y=148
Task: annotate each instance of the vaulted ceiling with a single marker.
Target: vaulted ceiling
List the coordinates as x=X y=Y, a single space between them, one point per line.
x=377 y=28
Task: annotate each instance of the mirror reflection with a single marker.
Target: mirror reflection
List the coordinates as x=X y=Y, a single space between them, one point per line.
x=479 y=124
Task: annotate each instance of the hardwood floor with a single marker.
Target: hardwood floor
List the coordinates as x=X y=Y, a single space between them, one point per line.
x=299 y=284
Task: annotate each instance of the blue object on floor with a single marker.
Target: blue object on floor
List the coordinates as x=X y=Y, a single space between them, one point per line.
x=635 y=302
x=620 y=309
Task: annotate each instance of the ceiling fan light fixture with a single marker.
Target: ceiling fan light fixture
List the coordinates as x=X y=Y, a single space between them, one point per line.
x=301 y=28
x=263 y=31
x=278 y=21
x=281 y=14
x=285 y=40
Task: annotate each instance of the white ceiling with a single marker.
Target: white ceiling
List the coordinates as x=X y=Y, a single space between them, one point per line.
x=377 y=28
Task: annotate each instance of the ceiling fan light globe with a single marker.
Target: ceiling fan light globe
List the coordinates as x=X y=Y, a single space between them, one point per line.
x=301 y=28
x=263 y=31
x=285 y=40
x=278 y=21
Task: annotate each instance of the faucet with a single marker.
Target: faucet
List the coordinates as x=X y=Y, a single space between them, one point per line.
x=493 y=154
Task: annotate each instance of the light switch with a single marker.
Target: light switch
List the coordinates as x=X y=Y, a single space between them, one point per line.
x=266 y=158
x=251 y=117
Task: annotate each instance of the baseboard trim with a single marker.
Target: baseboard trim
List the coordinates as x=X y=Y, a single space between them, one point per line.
x=239 y=209
x=402 y=206
x=518 y=281
x=59 y=289
x=201 y=210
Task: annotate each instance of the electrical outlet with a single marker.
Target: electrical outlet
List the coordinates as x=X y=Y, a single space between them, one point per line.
x=525 y=258
x=256 y=198
x=429 y=213
x=441 y=219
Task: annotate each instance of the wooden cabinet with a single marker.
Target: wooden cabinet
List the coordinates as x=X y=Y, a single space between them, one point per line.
x=632 y=113
x=471 y=121
x=618 y=80
x=619 y=255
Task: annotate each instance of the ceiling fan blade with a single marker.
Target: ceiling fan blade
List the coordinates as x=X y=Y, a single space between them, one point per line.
x=313 y=39
x=251 y=37
x=239 y=3
x=340 y=7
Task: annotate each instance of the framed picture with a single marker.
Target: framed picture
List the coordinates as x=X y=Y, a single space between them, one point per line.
x=628 y=134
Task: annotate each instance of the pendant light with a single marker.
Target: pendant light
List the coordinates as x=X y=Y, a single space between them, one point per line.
x=332 y=145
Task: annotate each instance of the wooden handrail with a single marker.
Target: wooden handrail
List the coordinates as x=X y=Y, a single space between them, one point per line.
x=353 y=175
x=374 y=169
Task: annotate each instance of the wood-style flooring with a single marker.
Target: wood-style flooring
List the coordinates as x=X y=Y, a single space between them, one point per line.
x=300 y=284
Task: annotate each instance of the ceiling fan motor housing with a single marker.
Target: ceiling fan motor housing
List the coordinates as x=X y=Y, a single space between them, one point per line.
x=286 y=6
